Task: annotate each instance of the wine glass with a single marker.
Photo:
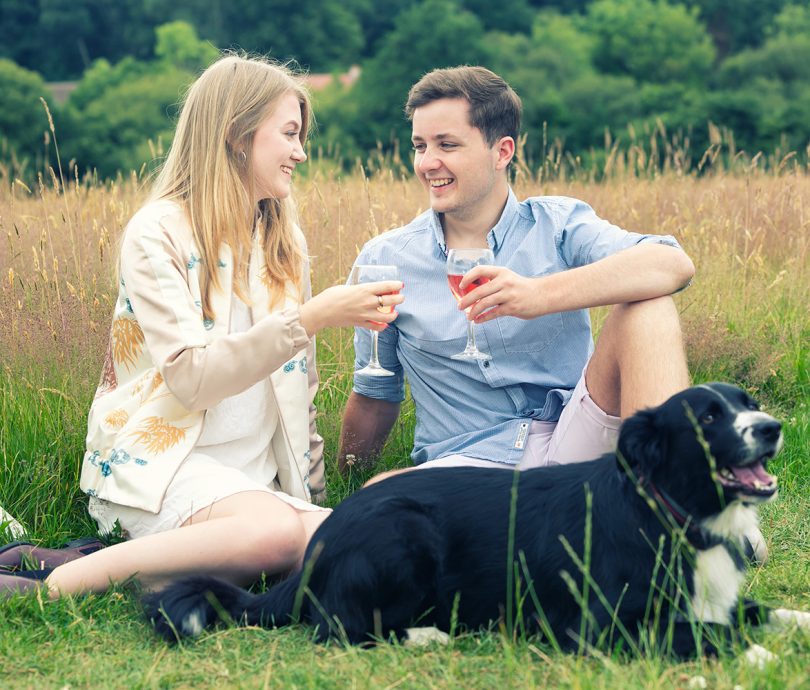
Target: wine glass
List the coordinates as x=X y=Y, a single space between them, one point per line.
x=459 y=261
x=371 y=273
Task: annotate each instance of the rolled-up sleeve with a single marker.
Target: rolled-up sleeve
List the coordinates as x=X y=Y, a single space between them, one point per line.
x=389 y=388
x=582 y=237
x=200 y=374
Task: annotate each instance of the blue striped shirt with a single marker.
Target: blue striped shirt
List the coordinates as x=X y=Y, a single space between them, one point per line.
x=482 y=409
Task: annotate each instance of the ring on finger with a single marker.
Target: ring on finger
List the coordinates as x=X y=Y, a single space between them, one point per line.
x=379 y=301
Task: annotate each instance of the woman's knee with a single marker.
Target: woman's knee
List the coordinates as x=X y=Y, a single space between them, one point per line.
x=269 y=532
x=275 y=541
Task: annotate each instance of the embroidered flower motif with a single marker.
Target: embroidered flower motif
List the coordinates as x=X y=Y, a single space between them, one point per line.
x=157 y=435
x=221 y=264
x=157 y=380
x=192 y=262
x=208 y=324
x=289 y=366
x=117 y=457
x=302 y=364
x=116 y=419
x=127 y=342
x=129 y=305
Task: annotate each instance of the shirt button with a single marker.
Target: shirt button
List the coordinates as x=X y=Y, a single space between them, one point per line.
x=486 y=364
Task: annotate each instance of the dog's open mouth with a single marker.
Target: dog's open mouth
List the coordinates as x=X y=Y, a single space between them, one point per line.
x=750 y=479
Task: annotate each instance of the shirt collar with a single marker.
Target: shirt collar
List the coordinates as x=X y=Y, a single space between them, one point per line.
x=495 y=236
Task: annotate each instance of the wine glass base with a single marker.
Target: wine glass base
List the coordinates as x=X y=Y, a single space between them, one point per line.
x=472 y=355
x=374 y=371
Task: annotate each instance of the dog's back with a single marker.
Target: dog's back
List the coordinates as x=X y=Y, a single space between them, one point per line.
x=450 y=544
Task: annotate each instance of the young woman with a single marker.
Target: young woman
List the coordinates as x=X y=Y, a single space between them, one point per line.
x=202 y=446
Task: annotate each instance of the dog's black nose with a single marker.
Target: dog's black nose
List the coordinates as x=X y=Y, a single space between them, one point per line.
x=768 y=431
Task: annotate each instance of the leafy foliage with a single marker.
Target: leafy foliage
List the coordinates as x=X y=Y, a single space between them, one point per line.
x=120 y=117
x=650 y=40
x=22 y=117
x=409 y=52
x=588 y=71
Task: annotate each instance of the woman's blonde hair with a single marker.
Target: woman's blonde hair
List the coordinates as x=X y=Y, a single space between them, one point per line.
x=209 y=171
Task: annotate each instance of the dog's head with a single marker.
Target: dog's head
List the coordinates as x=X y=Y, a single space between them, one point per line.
x=705 y=447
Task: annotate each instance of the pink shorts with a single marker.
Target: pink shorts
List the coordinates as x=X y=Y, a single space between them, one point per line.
x=583 y=432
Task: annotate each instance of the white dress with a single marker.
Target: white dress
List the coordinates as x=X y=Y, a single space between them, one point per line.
x=233 y=454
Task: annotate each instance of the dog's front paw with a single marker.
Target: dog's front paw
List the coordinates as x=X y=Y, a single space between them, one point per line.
x=754 y=546
x=422 y=637
x=759 y=657
x=784 y=619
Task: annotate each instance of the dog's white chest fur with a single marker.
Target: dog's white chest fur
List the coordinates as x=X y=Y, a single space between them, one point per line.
x=717 y=578
x=717 y=582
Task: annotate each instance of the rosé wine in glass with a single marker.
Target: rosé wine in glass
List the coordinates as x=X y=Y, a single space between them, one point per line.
x=458 y=293
x=459 y=262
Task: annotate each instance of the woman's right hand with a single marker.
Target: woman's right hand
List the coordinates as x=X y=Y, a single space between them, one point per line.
x=353 y=305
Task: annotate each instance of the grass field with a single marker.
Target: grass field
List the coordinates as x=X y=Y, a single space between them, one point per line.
x=745 y=319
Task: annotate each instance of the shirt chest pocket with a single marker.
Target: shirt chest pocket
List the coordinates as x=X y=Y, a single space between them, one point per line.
x=533 y=335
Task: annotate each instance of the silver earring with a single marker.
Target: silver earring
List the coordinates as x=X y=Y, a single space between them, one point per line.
x=243 y=156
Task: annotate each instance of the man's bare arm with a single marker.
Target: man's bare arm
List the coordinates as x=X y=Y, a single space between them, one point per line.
x=366 y=425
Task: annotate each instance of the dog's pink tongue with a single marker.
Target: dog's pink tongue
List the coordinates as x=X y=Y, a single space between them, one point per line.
x=756 y=472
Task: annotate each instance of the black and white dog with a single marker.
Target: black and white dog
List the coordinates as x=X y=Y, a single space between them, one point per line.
x=645 y=544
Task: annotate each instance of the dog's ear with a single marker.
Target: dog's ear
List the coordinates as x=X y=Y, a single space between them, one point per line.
x=641 y=443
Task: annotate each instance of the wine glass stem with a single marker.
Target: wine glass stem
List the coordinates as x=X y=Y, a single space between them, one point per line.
x=471 y=346
x=374 y=361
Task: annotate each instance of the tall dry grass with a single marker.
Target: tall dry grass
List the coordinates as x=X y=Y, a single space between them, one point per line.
x=745 y=320
x=744 y=316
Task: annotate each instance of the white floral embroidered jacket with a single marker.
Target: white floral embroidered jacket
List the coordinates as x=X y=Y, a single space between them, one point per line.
x=165 y=366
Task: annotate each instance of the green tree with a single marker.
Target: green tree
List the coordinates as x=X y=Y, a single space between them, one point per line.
x=455 y=37
x=178 y=45
x=22 y=118
x=650 y=40
x=19 y=41
x=118 y=113
x=540 y=67
x=59 y=38
x=513 y=16
x=102 y=76
x=125 y=127
x=736 y=24
x=318 y=35
x=763 y=94
x=792 y=21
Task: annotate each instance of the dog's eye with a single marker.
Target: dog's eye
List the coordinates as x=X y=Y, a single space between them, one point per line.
x=707 y=418
x=752 y=405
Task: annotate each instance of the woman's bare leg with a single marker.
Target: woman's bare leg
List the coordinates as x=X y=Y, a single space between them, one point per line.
x=236 y=539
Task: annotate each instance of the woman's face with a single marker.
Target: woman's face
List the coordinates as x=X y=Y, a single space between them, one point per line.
x=277 y=150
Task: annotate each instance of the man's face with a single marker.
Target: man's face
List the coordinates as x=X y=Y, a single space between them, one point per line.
x=452 y=158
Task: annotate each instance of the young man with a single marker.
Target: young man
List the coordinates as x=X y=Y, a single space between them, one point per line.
x=547 y=395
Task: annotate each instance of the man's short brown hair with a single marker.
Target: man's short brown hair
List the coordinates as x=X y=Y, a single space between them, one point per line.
x=494 y=106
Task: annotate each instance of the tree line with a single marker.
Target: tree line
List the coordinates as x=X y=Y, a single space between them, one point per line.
x=590 y=73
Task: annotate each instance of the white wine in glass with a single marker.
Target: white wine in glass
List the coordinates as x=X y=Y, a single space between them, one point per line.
x=371 y=273
x=459 y=261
